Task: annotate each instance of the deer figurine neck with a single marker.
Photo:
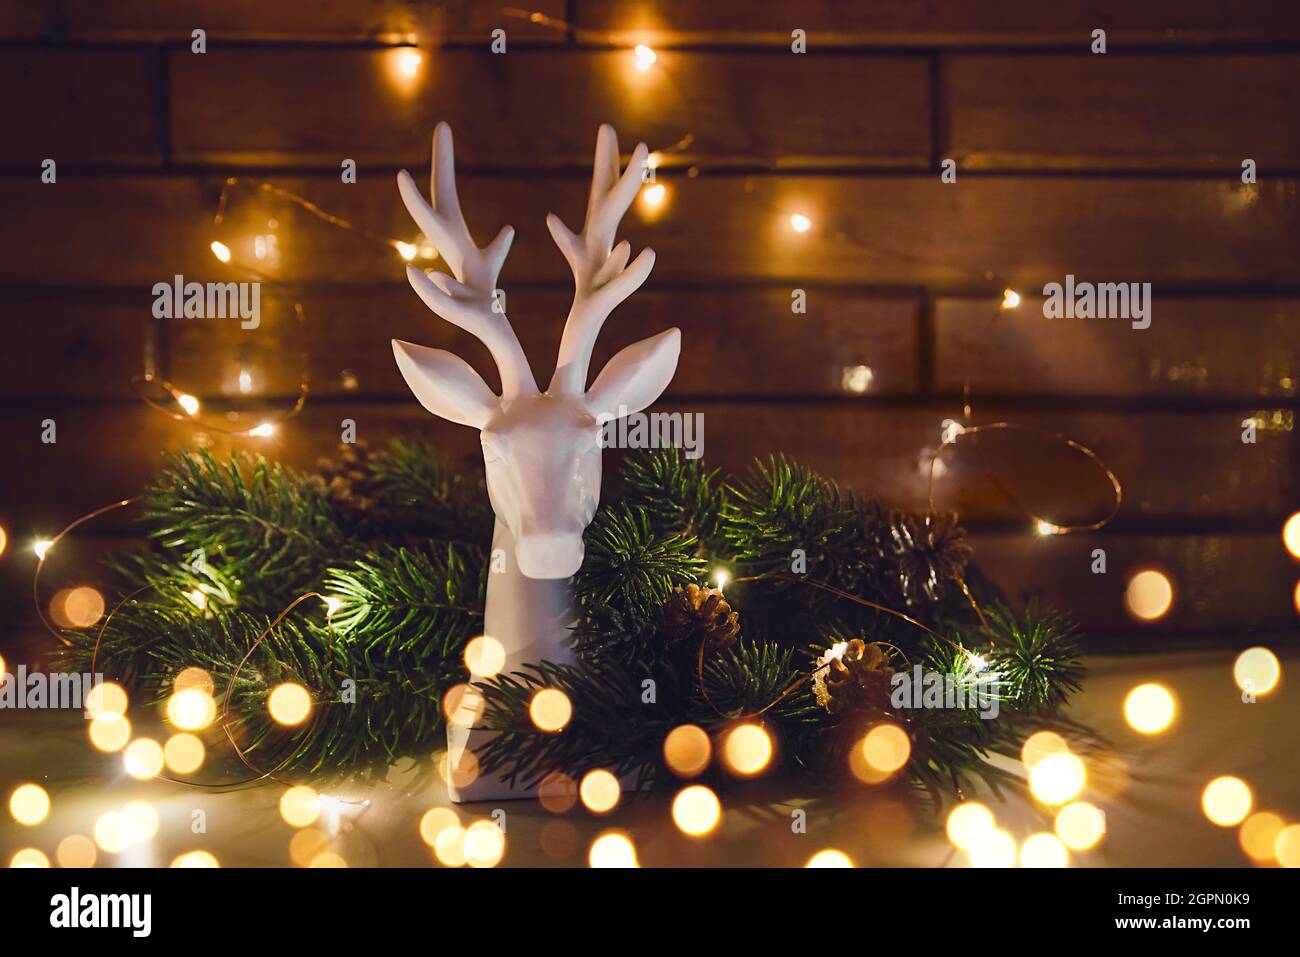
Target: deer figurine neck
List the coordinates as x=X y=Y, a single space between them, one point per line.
x=532 y=618
x=541 y=450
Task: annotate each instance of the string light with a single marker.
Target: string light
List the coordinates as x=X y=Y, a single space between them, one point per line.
x=687 y=750
x=1010 y=299
x=300 y=806
x=1057 y=778
x=998 y=849
x=1080 y=825
x=747 y=750
x=143 y=758
x=408 y=62
x=721 y=576
x=800 y=223
x=29 y=857
x=110 y=734
x=76 y=850
x=191 y=709
x=42 y=547
x=406 y=250
x=4 y=539
x=1047 y=528
x=111 y=833
x=199 y=599
x=183 y=753
x=195 y=859
x=653 y=196
x=484 y=656
x=435 y=821
x=644 y=57
x=484 y=844
x=1258 y=835
x=550 y=709
x=140 y=821
x=188 y=403
x=1043 y=850
x=220 y=250
x=263 y=431
x=1039 y=745
x=1286 y=846
x=599 y=791
x=332 y=604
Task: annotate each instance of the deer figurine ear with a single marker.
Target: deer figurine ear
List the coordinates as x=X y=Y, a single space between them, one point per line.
x=636 y=376
x=445 y=384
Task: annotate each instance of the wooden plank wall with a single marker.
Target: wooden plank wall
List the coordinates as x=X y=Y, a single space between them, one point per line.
x=1113 y=168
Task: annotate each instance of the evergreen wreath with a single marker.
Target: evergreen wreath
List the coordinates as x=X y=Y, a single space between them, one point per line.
x=803 y=640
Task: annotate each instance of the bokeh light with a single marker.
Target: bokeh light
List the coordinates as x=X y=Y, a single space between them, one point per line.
x=1291 y=535
x=140 y=821
x=1257 y=670
x=1149 y=595
x=969 y=823
x=183 y=753
x=484 y=844
x=550 y=709
x=1258 y=835
x=300 y=806
x=306 y=846
x=463 y=705
x=687 y=750
x=484 y=656
x=612 y=849
x=1286 y=846
x=289 y=703
x=143 y=758
x=76 y=850
x=111 y=832
x=747 y=750
x=436 y=820
x=600 y=791
x=1150 y=708
x=195 y=859
x=110 y=734
x=191 y=709
x=886 y=748
x=198 y=678
x=458 y=767
x=29 y=804
x=29 y=857
x=557 y=792
x=1058 y=778
x=829 y=858
x=1044 y=850
x=696 y=810
x=1039 y=745
x=998 y=849
x=1080 y=825
x=1226 y=800
x=106 y=700
x=449 y=846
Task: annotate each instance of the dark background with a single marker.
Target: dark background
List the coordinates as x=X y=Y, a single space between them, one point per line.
x=1123 y=167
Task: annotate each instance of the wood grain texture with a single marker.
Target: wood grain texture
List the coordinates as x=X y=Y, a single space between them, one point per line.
x=936 y=22
x=1229 y=584
x=866 y=230
x=739 y=341
x=80 y=107
x=1183 y=111
x=428 y=21
x=1194 y=347
x=315 y=107
x=1172 y=465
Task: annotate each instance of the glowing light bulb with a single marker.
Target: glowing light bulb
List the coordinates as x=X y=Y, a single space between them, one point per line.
x=29 y=804
x=612 y=849
x=653 y=197
x=245 y=381
x=721 y=577
x=408 y=63
x=41 y=547
x=696 y=810
x=188 y=403
x=199 y=599
x=143 y=758
x=1257 y=670
x=220 y=250
x=300 y=806
x=550 y=709
x=191 y=709
x=332 y=604
x=800 y=223
x=1010 y=298
x=599 y=791
x=643 y=57
x=856 y=379
x=406 y=250
x=263 y=431
x=289 y=703
x=829 y=858
x=747 y=750
x=1057 y=778
x=484 y=656
x=1080 y=825
x=969 y=824
x=687 y=750
x=1047 y=528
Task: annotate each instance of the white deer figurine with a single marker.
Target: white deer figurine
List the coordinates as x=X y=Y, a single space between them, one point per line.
x=541 y=450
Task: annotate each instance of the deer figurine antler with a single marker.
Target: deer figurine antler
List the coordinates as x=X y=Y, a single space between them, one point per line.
x=541 y=450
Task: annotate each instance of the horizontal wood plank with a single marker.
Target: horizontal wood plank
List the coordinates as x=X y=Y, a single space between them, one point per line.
x=936 y=22
x=301 y=107
x=80 y=107
x=426 y=21
x=1122 y=111
x=1222 y=584
x=1193 y=347
x=865 y=230
x=1171 y=464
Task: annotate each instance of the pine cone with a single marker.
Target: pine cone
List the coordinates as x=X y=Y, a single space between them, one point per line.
x=350 y=481
x=694 y=614
x=929 y=551
x=853 y=675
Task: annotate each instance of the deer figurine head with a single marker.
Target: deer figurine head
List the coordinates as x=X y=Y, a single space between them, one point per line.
x=541 y=450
